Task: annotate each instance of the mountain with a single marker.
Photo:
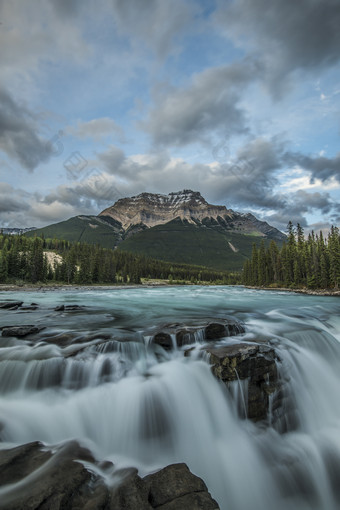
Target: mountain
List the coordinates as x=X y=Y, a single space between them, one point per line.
x=150 y=209
x=12 y=231
x=178 y=227
x=87 y=229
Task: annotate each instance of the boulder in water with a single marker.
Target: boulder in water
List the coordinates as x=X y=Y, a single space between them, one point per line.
x=227 y=327
x=164 y=340
x=176 y=488
x=10 y=305
x=257 y=364
x=202 y=330
x=68 y=308
x=61 y=479
x=21 y=331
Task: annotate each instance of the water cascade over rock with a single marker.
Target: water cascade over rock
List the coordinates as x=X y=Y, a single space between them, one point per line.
x=92 y=403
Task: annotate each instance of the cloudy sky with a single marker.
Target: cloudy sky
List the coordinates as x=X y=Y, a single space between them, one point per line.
x=238 y=99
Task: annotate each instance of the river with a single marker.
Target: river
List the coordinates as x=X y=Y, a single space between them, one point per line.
x=142 y=407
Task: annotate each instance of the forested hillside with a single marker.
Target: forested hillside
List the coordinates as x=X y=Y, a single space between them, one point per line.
x=26 y=260
x=313 y=262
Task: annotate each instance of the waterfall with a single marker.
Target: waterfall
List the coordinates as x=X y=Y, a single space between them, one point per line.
x=138 y=406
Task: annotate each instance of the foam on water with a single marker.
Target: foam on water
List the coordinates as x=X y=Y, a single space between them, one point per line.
x=140 y=407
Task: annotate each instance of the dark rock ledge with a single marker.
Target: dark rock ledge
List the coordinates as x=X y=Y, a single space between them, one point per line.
x=21 y=331
x=208 y=330
x=257 y=364
x=33 y=477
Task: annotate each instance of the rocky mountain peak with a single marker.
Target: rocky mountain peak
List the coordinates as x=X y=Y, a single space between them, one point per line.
x=153 y=208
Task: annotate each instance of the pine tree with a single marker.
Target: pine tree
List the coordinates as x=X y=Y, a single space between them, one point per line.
x=334 y=257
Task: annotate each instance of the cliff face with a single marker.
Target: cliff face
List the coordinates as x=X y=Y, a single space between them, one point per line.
x=154 y=209
x=150 y=209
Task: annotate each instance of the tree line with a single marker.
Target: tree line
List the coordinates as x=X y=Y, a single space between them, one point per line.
x=312 y=262
x=24 y=259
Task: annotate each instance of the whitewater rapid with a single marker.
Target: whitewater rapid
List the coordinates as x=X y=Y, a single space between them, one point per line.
x=139 y=406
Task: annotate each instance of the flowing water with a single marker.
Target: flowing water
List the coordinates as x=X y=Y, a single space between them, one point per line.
x=138 y=405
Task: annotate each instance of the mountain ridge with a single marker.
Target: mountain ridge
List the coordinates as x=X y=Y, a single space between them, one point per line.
x=181 y=227
x=151 y=209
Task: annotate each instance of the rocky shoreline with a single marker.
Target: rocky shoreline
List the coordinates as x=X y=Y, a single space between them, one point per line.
x=72 y=288
x=308 y=292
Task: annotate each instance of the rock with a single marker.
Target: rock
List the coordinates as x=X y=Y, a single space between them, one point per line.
x=61 y=483
x=257 y=364
x=68 y=308
x=74 y=308
x=58 y=480
x=61 y=339
x=201 y=331
x=193 y=501
x=131 y=494
x=164 y=340
x=172 y=482
x=11 y=305
x=186 y=336
x=176 y=488
x=216 y=330
x=17 y=463
x=21 y=331
x=28 y=308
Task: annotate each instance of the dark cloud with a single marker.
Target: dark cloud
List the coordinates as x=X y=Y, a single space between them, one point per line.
x=297 y=205
x=253 y=169
x=280 y=219
x=154 y=22
x=285 y=35
x=112 y=158
x=66 y=8
x=19 y=137
x=208 y=106
x=308 y=202
x=97 y=191
x=320 y=167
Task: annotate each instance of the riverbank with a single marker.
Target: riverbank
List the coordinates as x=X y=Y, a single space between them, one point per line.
x=29 y=287
x=151 y=283
x=308 y=292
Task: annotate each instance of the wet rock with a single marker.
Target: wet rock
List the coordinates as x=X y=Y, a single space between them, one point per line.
x=21 y=331
x=164 y=340
x=17 y=463
x=98 y=336
x=68 y=308
x=131 y=494
x=176 y=488
x=200 y=331
x=193 y=501
x=216 y=330
x=74 y=308
x=28 y=308
x=61 y=339
x=257 y=364
x=61 y=483
x=59 y=480
x=11 y=305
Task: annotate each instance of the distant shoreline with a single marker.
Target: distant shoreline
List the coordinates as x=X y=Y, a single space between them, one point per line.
x=308 y=292
x=72 y=287
x=32 y=288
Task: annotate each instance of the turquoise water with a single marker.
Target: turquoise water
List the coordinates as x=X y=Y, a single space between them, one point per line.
x=142 y=407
